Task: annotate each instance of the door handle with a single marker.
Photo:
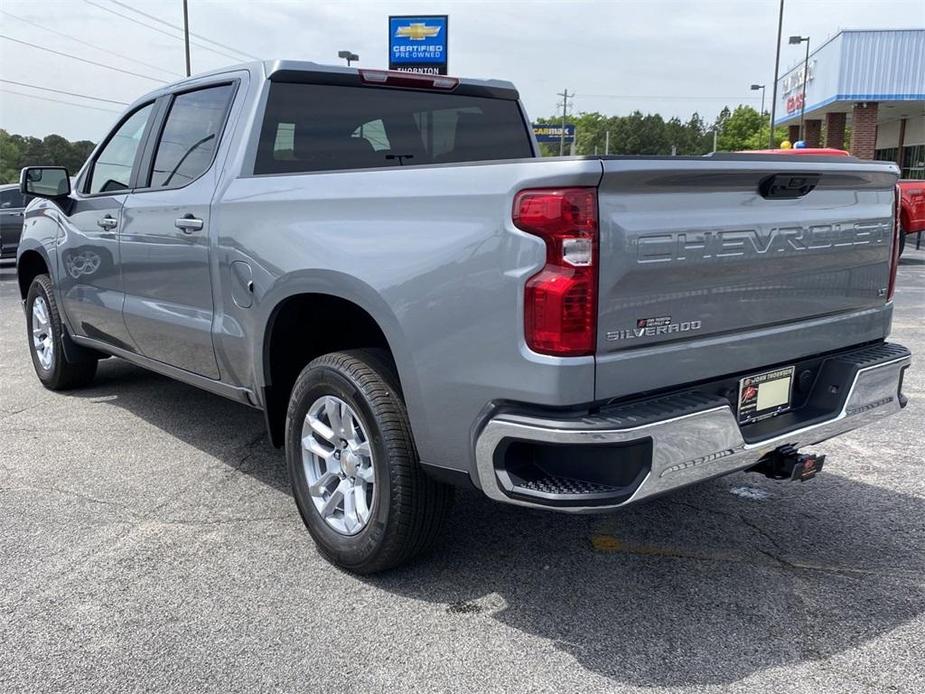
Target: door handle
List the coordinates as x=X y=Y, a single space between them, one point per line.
x=188 y=224
x=107 y=222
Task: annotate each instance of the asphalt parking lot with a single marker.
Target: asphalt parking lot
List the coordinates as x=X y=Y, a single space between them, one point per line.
x=148 y=542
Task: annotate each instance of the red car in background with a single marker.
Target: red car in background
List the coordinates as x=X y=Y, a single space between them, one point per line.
x=911 y=193
x=912 y=209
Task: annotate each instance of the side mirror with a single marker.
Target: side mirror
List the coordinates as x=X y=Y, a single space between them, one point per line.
x=45 y=181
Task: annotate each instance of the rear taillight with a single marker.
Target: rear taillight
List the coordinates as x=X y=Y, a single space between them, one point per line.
x=560 y=301
x=408 y=80
x=894 y=248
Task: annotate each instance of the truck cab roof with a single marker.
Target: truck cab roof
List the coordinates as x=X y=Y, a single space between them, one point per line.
x=284 y=70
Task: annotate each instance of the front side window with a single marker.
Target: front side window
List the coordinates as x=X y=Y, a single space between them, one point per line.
x=374 y=133
x=285 y=141
x=313 y=127
x=190 y=136
x=112 y=170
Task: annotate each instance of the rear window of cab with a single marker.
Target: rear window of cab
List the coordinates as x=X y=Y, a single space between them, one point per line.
x=308 y=127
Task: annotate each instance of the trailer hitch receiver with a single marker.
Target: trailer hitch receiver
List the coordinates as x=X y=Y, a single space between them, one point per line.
x=786 y=463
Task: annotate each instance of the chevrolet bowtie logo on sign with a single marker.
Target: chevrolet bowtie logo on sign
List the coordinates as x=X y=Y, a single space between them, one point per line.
x=418 y=31
x=418 y=44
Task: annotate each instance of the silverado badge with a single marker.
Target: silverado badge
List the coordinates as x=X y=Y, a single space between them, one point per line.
x=650 y=327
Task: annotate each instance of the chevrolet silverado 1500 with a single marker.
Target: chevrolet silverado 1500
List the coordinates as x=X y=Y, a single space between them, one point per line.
x=382 y=264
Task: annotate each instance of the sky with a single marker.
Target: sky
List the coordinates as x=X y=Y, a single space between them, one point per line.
x=671 y=57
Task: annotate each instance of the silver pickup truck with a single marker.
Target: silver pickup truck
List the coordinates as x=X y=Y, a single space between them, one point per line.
x=382 y=264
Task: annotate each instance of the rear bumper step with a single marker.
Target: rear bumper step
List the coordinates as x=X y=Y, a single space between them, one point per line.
x=631 y=452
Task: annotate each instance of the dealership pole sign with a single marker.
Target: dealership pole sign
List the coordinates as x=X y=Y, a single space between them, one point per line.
x=419 y=44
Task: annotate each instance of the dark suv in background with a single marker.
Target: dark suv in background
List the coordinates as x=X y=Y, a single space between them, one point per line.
x=12 y=204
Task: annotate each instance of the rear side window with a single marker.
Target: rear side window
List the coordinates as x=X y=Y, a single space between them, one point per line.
x=190 y=136
x=310 y=127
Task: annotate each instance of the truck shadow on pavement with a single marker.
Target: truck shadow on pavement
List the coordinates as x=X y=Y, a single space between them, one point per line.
x=702 y=587
x=230 y=432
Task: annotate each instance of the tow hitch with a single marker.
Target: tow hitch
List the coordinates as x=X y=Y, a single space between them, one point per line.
x=786 y=463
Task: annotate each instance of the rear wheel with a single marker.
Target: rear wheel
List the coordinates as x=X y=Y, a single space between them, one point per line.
x=355 y=475
x=902 y=240
x=46 y=335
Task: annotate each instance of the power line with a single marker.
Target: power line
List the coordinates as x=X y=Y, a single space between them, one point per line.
x=85 y=43
x=174 y=26
x=61 y=91
x=656 y=96
x=57 y=101
x=83 y=60
x=160 y=31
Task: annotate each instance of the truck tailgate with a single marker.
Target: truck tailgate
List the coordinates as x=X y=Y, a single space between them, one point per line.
x=700 y=253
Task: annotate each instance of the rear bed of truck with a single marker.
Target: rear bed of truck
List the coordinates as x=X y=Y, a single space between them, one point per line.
x=742 y=307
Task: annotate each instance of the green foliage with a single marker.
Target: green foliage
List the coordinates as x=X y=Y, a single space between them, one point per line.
x=745 y=128
x=638 y=133
x=17 y=151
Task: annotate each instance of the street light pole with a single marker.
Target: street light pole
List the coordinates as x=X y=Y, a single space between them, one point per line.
x=803 y=100
x=186 y=35
x=761 y=87
x=348 y=56
x=796 y=41
x=780 y=31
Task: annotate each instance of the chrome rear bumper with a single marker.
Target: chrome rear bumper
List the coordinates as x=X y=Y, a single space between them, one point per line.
x=689 y=447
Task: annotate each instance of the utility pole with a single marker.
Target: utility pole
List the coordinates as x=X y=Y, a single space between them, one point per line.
x=606 y=143
x=186 y=35
x=565 y=97
x=780 y=29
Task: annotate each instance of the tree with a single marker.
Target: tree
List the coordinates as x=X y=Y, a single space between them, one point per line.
x=17 y=151
x=641 y=134
x=740 y=129
x=591 y=132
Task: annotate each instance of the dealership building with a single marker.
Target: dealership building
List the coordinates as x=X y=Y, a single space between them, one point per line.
x=872 y=82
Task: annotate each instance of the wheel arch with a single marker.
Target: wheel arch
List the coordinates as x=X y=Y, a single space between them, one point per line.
x=348 y=315
x=31 y=263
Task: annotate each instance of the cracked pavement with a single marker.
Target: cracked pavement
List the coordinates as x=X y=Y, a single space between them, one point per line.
x=148 y=543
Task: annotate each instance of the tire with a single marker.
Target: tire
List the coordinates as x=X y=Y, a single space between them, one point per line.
x=51 y=364
x=902 y=240
x=406 y=508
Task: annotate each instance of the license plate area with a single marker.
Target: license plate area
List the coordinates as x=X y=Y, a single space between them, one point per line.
x=765 y=394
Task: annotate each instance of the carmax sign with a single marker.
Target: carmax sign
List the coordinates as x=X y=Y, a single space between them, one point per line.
x=553 y=133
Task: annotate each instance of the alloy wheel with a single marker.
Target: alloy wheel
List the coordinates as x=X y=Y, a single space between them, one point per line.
x=338 y=464
x=42 y=339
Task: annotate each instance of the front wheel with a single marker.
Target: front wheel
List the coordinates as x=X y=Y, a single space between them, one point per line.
x=45 y=333
x=902 y=240
x=355 y=475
